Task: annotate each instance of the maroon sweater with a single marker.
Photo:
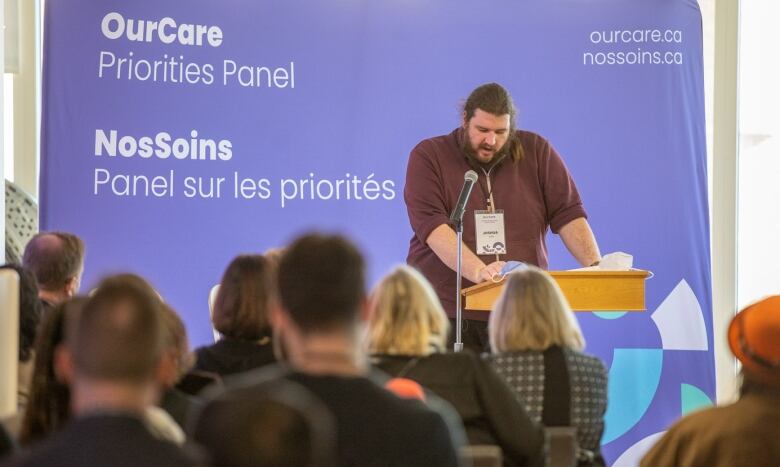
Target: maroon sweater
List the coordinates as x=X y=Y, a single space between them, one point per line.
x=535 y=193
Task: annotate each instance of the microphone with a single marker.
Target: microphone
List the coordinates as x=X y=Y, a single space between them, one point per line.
x=469 y=179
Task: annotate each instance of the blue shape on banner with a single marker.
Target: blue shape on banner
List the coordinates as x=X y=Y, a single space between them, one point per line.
x=633 y=382
x=693 y=398
x=610 y=314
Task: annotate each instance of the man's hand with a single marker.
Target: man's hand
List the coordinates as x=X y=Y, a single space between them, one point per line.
x=444 y=243
x=486 y=273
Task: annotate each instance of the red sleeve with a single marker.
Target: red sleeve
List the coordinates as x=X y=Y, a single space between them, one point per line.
x=424 y=193
x=561 y=198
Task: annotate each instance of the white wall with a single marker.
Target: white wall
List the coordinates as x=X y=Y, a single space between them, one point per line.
x=9 y=322
x=9 y=341
x=26 y=98
x=2 y=138
x=759 y=151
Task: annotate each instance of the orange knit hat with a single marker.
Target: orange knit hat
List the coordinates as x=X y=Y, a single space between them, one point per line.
x=754 y=337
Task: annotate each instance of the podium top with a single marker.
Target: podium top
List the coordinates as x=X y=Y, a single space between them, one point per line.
x=585 y=290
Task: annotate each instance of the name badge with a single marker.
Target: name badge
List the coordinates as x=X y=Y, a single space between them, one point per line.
x=490 y=232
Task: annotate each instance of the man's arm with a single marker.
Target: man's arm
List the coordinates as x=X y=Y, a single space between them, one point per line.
x=444 y=242
x=579 y=240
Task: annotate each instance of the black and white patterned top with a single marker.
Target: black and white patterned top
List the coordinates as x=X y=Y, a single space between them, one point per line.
x=524 y=372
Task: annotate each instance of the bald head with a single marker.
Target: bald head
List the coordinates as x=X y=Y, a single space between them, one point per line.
x=56 y=259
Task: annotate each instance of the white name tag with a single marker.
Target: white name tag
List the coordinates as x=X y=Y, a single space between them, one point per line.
x=490 y=232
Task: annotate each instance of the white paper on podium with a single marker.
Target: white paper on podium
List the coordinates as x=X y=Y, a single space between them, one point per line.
x=617 y=261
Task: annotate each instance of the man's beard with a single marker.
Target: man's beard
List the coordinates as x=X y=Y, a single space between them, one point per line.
x=471 y=154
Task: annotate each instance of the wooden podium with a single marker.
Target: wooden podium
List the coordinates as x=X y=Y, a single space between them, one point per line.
x=585 y=291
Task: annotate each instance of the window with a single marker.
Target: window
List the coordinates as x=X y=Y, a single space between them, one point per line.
x=758 y=253
x=8 y=126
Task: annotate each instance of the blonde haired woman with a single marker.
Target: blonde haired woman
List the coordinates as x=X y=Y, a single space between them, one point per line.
x=408 y=338
x=537 y=346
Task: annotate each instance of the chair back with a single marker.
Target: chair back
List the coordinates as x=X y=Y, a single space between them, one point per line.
x=194 y=381
x=563 y=446
x=483 y=455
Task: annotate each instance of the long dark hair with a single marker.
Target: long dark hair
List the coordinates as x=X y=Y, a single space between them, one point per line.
x=495 y=99
x=48 y=406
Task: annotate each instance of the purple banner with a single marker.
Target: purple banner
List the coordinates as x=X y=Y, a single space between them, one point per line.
x=179 y=134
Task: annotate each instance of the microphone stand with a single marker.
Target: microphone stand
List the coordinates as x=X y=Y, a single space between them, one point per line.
x=458 y=224
x=456 y=219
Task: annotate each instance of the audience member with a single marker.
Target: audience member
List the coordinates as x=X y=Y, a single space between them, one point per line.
x=241 y=316
x=537 y=346
x=745 y=433
x=176 y=402
x=274 y=255
x=57 y=261
x=48 y=408
x=157 y=419
x=321 y=320
x=7 y=445
x=408 y=338
x=275 y=424
x=29 y=318
x=113 y=359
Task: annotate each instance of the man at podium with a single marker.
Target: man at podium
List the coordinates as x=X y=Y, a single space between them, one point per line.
x=523 y=188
